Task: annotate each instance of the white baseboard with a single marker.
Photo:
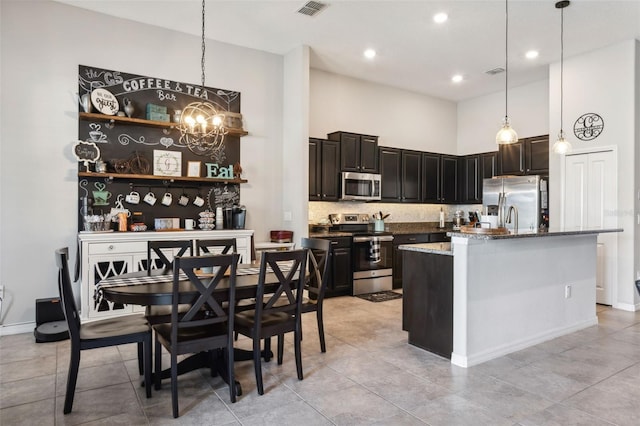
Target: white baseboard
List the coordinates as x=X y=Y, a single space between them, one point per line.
x=498 y=351
x=627 y=307
x=25 y=327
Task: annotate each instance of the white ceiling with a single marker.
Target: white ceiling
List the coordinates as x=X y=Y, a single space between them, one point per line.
x=414 y=53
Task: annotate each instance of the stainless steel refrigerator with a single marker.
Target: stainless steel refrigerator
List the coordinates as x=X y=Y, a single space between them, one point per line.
x=528 y=194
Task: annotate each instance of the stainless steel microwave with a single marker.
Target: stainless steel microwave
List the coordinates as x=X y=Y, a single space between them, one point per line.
x=360 y=186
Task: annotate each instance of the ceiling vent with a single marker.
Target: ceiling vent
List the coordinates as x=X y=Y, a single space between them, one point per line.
x=495 y=71
x=311 y=8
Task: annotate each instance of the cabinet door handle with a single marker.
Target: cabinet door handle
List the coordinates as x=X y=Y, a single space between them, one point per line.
x=412 y=239
x=110 y=247
x=335 y=243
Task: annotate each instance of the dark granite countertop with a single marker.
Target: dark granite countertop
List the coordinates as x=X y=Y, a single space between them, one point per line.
x=435 y=248
x=398 y=228
x=553 y=232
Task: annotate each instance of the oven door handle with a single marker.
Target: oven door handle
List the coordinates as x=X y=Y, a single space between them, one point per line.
x=368 y=239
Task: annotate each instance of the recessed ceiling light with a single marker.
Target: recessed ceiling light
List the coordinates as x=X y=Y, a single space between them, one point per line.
x=369 y=53
x=532 y=54
x=457 y=78
x=440 y=18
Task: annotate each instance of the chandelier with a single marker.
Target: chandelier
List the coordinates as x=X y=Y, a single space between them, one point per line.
x=506 y=135
x=201 y=127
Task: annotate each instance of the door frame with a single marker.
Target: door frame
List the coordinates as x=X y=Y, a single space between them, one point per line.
x=594 y=150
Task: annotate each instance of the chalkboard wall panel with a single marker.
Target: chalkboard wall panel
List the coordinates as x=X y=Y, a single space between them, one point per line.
x=121 y=141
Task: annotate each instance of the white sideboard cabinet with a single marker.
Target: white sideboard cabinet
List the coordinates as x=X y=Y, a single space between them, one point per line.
x=103 y=255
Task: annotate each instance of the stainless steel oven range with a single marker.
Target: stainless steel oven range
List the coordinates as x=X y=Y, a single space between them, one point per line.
x=371 y=253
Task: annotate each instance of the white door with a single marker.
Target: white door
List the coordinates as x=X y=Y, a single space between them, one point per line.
x=591 y=200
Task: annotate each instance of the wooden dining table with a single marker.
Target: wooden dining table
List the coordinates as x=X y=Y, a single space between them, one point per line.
x=155 y=287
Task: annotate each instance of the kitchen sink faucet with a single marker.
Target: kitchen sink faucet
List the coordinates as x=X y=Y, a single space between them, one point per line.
x=513 y=209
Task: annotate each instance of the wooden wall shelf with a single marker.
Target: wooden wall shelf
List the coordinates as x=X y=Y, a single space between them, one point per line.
x=89 y=116
x=129 y=176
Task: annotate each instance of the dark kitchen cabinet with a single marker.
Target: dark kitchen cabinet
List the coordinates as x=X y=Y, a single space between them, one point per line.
x=511 y=158
x=428 y=311
x=431 y=178
x=400 y=239
x=411 y=176
x=450 y=179
x=340 y=269
x=537 y=155
x=528 y=156
x=324 y=157
x=358 y=153
x=390 y=168
x=400 y=170
x=471 y=179
x=315 y=167
x=489 y=165
x=440 y=178
x=488 y=168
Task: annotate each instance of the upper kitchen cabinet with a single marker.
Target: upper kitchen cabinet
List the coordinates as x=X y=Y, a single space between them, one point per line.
x=411 y=175
x=450 y=183
x=537 y=155
x=400 y=170
x=358 y=153
x=511 y=158
x=440 y=178
x=390 y=171
x=324 y=157
x=471 y=179
x=489 y=165
x=528 y=156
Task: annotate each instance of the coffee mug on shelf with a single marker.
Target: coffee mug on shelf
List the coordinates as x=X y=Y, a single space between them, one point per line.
x=189 y=224
x=101 y=198
x=198 y=201
x=150 y=198
x=167 y=199
x=132 y=198
x=183 y=200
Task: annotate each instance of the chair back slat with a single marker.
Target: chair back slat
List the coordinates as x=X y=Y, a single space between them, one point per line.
x=318 y=265
x=156 y=247
x=226 y=246
x=290 y=283
x=205 y=309
x=66 y=294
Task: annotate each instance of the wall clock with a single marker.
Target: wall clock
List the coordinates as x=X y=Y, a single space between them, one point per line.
x=588 y=126
x=167 y=163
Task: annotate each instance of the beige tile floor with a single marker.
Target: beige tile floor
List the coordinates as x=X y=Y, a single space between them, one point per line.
x=368 y=376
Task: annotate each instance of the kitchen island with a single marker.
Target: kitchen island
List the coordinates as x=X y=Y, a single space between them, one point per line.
x=508 y=292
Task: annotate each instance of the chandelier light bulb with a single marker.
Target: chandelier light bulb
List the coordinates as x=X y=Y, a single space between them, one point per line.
x=217 y=120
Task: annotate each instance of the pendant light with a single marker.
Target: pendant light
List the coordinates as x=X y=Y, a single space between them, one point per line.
x=201 y=127
x=561 y=146
x=506 y=135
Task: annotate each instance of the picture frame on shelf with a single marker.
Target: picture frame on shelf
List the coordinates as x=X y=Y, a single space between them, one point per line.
x=167 y=163
x=193 y=168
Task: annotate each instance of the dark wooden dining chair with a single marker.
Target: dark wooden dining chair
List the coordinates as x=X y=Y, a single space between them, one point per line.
x=218 y=246
x=157 y=247
x=97 y=334
x=316 y=282
x=205 y=326
x=276 y=316
x=160 y=314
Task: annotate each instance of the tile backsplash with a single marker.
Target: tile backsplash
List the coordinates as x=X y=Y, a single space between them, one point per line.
x=398 y=212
